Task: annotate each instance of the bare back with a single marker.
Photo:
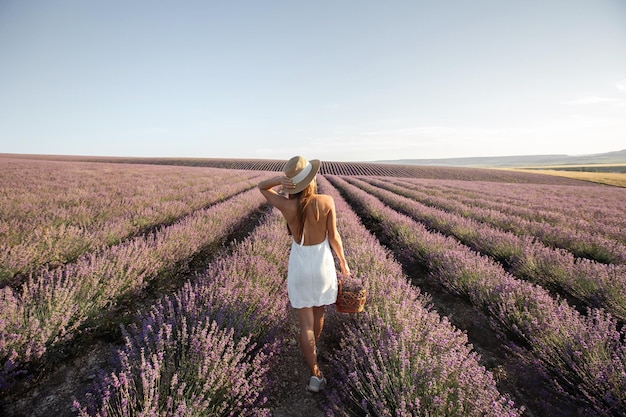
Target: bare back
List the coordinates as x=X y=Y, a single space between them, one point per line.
x=318 y=215
x=320 y=221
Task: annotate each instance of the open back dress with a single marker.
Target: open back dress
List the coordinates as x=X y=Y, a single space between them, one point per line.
x=311 y=275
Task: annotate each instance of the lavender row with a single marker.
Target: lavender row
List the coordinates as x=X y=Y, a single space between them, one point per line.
x=50 y=306
x=53 y=212
x=592 y=198
x=597 y=285
x=580 y=243
x=208 y=349
x=398 y=356
x=605 y=220
x=584 y=356
x=595 y=209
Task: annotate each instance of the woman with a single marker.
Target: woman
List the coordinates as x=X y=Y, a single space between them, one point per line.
x=311 y=278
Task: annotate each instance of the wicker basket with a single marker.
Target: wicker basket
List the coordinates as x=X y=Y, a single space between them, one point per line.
x=350 y=301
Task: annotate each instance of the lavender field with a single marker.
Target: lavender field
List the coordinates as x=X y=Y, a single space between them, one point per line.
x=148 y=287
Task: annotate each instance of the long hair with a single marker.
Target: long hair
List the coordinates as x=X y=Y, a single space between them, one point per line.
x=304 y=198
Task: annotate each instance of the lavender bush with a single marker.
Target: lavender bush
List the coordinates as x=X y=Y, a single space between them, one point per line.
x=585 y=357
x=420 y=370
x=175 y=367
x=399 y=358
x=596 y=284
x=206 y=350
x=597 y=210
x=581 y=243
x=48 y=308
x=53 y=212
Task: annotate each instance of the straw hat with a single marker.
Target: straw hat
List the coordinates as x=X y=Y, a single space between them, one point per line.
x=301 y=172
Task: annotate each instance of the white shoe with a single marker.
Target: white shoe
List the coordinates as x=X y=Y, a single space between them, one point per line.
x=316 y=384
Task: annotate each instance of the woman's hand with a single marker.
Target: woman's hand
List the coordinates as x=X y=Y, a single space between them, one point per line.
x=345 y=269
x=287 y=183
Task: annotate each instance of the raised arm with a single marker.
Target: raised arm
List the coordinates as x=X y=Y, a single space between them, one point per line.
x=267 y=189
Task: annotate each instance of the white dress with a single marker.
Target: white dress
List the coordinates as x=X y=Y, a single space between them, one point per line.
x=311 y=277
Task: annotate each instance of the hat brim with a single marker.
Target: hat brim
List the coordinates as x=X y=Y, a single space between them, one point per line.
x=315 y=164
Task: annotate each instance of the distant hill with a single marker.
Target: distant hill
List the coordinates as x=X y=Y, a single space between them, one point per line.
x=617 y=157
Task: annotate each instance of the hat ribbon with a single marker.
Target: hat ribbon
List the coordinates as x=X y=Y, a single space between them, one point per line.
x=302 y=174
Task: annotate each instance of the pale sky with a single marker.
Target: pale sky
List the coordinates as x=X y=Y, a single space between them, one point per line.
x=335 y=80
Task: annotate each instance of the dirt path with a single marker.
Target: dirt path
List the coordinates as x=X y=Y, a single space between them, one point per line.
x=53 y=394
x=290 y=397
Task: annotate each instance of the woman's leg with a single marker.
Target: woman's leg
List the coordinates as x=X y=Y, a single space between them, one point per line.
x=306 y=317
x=318 y=321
